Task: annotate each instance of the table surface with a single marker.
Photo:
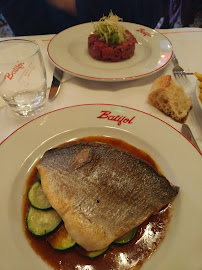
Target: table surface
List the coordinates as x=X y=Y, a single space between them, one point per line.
x=187 y=45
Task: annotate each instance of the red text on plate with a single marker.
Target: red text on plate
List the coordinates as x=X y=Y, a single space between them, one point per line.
x=14 y=71
x=118 y=118
x=142 y=31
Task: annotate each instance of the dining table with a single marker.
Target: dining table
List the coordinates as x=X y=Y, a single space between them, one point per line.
x=131 y=94
x=186 y=43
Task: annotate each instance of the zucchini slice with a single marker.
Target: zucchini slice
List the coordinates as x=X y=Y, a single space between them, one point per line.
x=38 y=176
x=60 y=239
x=126 y=237
x=41 y=222
x=95 y=253
x=37 y=198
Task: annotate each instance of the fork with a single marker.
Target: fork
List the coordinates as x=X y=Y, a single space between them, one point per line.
x=178 y=70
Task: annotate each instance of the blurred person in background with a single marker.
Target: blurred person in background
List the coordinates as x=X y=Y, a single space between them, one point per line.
x=181 y=13
x=160 y=14
x=35 y=17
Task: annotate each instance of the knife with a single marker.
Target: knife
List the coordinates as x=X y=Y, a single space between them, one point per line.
x=186 y=131
x=56 y=83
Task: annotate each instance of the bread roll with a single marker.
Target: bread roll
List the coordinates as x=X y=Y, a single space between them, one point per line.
x=170 y=98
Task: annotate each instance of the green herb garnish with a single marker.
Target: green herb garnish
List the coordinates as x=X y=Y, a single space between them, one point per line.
x=110 y=30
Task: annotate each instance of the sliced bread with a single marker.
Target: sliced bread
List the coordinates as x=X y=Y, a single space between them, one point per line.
x=170 y=98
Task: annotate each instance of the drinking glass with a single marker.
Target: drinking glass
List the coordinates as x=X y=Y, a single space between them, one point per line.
x=22 y=76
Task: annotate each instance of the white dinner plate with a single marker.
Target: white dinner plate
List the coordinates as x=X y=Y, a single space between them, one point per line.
x=197 y=93
x=176 y=156
x=68 y=50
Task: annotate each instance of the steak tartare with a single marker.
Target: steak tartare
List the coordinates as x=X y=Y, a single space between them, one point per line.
x=110 y=41
x=103 y=51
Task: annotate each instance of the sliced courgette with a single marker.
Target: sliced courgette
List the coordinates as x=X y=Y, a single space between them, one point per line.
x=60 y=239
x=37 y=198
x=96 y=253
x=38 y=176
x=42 y=222
x=126 y=237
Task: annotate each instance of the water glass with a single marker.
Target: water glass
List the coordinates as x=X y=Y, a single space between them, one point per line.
x=22 y=76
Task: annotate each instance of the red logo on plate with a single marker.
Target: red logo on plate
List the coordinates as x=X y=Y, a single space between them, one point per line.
x=142 y=31
x=14 y=71
x=118 y=118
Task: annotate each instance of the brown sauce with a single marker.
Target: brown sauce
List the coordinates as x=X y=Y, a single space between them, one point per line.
x=129 y=256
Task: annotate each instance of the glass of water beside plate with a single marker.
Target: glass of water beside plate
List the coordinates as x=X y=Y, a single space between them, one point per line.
x=23 y=84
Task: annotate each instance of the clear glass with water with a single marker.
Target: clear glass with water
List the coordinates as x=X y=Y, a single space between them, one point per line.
x=22 y=76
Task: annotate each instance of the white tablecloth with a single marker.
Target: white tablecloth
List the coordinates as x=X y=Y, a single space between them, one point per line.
x=187 y=44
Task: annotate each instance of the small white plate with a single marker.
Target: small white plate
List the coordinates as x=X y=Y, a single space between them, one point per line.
x=197 y=93
x=69 y=51
x=177 y=158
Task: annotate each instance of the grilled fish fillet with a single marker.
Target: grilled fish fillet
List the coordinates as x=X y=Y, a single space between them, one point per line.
x=100 y=191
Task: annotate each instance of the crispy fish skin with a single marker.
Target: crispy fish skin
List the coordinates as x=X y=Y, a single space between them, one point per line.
x=100 y=191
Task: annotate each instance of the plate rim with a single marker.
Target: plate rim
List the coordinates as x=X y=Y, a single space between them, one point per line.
x=106 y=78
x=94 y=104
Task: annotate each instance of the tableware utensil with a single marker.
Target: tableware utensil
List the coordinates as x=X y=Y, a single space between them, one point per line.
x=186 y=131
x=178 y=70
x=56 y=84
x=23 y=77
